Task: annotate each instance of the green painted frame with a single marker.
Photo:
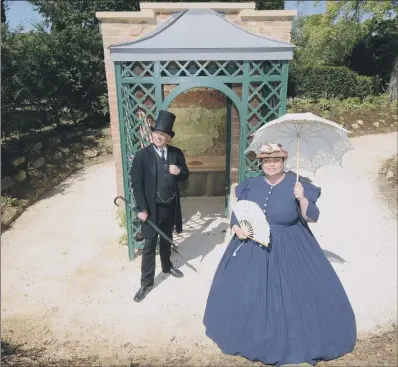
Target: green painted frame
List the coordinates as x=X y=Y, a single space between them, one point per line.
x=140 y=85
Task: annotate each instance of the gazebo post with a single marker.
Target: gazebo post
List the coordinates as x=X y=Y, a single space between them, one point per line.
x=228 y=156
x=158 y=85
x=285 y=74
x=130 y=244
x=244 y=121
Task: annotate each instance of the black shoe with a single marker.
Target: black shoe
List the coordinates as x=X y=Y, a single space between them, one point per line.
x=142 y=292
x=176 y=273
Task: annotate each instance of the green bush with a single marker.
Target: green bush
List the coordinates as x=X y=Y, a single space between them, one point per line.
x=368 y=104
x=328 y=82
x=364 y=86
x=347 y=111
x=121 y=215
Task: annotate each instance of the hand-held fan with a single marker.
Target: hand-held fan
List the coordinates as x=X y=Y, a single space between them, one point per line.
x=252 y=219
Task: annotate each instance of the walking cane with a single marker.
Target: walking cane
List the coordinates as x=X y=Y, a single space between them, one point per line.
x=157 y=229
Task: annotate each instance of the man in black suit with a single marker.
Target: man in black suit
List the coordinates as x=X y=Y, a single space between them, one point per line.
x=155 y=174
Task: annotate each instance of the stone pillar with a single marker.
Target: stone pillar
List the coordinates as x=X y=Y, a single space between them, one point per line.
x=119 y=27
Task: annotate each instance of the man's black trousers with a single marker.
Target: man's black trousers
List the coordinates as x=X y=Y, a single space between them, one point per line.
x=165 y=219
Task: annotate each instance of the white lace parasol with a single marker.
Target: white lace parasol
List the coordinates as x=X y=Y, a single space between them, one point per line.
x=314 y=140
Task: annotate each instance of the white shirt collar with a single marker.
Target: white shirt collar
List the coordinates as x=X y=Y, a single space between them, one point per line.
x=157 y=150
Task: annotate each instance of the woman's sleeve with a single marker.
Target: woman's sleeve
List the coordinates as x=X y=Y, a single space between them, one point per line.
x=312 y=193
x=241 y=193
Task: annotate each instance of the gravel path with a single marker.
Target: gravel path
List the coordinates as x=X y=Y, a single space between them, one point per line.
x=67 y=283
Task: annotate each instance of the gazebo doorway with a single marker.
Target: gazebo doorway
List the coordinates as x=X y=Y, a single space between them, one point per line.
x=204 y=132
x=250 y=70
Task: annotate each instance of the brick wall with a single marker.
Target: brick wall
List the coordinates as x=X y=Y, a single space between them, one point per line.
x=122 y=27
x=114 y=33
x=276 y=29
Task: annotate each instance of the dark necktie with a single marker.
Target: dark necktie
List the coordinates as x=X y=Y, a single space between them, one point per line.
x=165 y=165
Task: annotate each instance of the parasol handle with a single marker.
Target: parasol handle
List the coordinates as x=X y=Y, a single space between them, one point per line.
x=298 y=157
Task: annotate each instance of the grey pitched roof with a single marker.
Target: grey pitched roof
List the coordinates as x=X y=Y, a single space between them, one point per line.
x=200 y=34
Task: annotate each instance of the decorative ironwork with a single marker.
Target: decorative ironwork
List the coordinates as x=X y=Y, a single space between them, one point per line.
x=259 y=94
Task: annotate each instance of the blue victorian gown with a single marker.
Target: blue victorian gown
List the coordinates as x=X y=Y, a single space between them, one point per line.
x=283 y=304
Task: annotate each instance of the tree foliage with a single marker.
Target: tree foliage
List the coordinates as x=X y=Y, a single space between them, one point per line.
x=3 y=11
x=359 y=34
x=334 y=34
x=16 y=92
x=375 y=52
x=60 y=74
x=61 y=15
x=316 y=35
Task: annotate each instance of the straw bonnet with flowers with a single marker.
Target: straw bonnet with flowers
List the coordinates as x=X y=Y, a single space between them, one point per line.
x=271 y=150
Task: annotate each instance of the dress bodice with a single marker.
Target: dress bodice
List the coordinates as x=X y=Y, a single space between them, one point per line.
x=276 y=201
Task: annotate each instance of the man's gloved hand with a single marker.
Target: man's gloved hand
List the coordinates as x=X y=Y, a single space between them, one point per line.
x=174 y=170
x=143 y=216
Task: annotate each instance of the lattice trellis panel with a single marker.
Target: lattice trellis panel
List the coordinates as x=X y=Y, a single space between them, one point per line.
x=139 y=112
x=138 y=109
x=137 y=69
x=266 y=100
x=195 y=69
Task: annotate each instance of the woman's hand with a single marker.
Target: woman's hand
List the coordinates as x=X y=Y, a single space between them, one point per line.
x=240 y=232
x=299 y=191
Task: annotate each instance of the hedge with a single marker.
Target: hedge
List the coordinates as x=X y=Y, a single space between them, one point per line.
x=328 y=82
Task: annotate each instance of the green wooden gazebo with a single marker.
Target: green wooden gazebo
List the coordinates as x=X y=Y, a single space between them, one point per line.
x=197 y=48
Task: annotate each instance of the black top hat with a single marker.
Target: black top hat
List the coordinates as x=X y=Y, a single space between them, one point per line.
x=165 y=122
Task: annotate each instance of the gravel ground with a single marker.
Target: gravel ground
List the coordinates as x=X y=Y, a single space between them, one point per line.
x=67 y=284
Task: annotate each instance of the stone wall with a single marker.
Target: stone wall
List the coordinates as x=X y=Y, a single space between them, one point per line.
x=118 y=27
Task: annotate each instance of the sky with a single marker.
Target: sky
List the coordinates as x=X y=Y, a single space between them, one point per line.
x=22 y=13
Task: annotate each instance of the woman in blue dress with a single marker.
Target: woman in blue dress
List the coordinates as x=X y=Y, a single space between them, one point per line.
x=281 y=304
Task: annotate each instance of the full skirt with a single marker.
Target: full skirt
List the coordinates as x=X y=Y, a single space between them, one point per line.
x=284 y=305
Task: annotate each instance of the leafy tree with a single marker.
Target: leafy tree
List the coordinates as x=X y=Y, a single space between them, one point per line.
x=270 y=5
x=25 y=89
x=360 y=34
x=375 y=53
x=74 y=66
x=4 y=7
x=333 y=34
x=10 y=52
x=358 y=10
x=3 y=11
x=78 y=13
x=317 y=35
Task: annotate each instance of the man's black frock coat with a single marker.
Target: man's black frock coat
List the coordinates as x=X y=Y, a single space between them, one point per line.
x=143 y=182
